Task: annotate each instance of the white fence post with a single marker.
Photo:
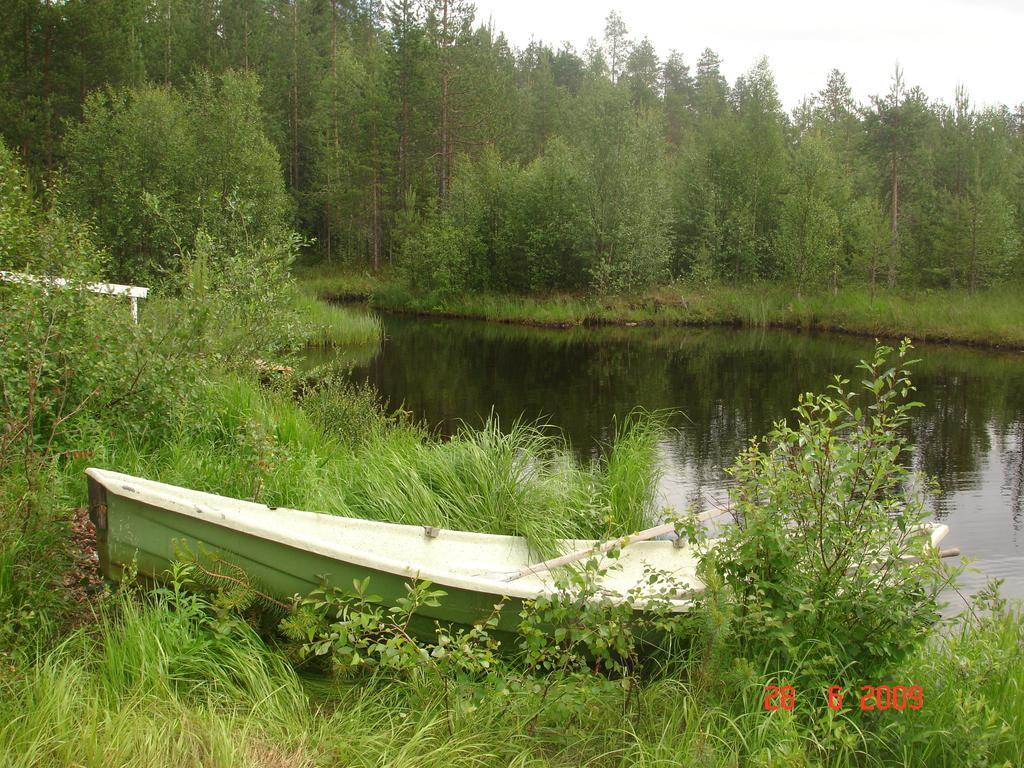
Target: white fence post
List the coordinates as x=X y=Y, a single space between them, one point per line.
x=134 y=292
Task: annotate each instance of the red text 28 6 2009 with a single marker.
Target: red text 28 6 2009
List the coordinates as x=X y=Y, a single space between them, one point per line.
x=870 y=697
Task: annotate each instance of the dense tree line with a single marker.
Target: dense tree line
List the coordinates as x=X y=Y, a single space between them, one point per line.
x=407 y=135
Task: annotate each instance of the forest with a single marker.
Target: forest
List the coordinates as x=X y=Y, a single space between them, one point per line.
x=413 y=137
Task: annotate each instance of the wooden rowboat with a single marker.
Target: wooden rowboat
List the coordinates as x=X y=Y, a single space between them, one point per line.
x=289 y=551
x=147 y=525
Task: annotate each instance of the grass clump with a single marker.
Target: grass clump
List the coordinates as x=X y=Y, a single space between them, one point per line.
x=518 y=481
x=330 y=325
x=336 y=283
x=631 y=474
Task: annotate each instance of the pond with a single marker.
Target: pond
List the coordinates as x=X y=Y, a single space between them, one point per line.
x=726 y=385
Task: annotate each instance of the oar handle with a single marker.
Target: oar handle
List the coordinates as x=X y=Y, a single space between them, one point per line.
x=572 y=557
x=624 y=541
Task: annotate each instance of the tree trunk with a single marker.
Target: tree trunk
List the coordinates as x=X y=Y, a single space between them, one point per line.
x=47 y=106
x=26 y=49
x=873 y=270
x=973 y=279
x=403 y=140
x=167 y=45
x=895 y=222
x=208 y=34
x=295 y=97
x=446 y=162
x=329 y=202
x=375 y=222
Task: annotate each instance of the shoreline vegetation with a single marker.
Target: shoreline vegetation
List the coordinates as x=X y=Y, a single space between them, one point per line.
x=200 y=154
x=178 y=677
x=992 y=318
x=181 y=676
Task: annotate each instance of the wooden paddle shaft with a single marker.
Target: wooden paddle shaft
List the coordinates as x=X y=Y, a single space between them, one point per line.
x=572 y=557
x=952 y=552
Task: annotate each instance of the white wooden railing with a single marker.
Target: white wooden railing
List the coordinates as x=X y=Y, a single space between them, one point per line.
x=134 y=292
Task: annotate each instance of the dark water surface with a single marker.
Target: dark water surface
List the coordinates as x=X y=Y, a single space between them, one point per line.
x=727 y=385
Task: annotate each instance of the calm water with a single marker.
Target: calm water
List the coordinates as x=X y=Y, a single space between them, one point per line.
x=727 y=385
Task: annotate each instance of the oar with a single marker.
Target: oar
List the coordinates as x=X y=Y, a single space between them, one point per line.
x=952 y=552
x=624 y=541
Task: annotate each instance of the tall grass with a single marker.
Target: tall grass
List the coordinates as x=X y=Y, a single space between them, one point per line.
x=330 y=325
x=157 y=683
x=631 y=469
x=150 y=685
x=992 y=317
x=333 y=282
x=518 y=481
x=973 y=679
x=243 y=441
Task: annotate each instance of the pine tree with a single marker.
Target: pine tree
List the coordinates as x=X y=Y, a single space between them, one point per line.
x=616 y=45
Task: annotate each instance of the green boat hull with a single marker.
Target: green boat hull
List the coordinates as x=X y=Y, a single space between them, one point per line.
x=146 y=539
x=143 y=527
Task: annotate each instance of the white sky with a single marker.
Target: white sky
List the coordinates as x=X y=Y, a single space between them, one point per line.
x=939 y=43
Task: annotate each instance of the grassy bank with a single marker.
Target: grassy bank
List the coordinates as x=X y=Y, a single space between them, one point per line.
x=992 y=318
x=160 y=683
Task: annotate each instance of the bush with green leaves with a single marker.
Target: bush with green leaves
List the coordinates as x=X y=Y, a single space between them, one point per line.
x=153 y=166
x=72 y=360
x=588 y=214
x=74 y=368
x=16 y=207
x=438 y=258
x=356 y=633
x=239 y=297
x=824 y=578
x=352 y=413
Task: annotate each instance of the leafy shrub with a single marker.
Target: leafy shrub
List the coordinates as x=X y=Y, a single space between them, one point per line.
x=356 y=633
x=553 y=220
x=239 y=298
x=438 y=260
x=73 y=368
x=353 y=413
x=17 y=234
x=153 y=166
x=587 y=214
x=823 y=574
x=576 y=630
x=70 y=357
